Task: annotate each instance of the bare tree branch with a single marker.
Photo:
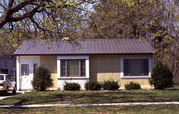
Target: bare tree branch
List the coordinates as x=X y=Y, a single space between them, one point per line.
x=10 y=3
x=26 y=15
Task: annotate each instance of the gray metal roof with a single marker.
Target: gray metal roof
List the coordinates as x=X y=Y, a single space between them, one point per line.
x=87 y=47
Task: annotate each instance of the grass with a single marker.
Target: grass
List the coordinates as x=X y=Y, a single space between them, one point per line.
x=150 y=109
x=50 y=97
x=53 y=97
x=45 y=97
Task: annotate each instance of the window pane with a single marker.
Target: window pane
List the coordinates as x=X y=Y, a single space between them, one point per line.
x=83 y=69
x=25 y=69
x=73 y=68
x=126 y=67
x=35 y=67
x=63 y=68
x=135 y=67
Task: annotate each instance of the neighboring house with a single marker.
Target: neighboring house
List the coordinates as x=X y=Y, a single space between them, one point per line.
x=123 y=60
x=8 y=65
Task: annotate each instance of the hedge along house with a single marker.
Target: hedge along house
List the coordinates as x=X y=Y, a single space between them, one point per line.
x=123 y=60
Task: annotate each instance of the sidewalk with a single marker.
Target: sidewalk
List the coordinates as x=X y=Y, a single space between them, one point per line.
x=78 y=105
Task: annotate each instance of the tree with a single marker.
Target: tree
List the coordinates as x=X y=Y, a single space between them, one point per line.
x=153 y=20
x=125 y=18
x=4 y=49
x=42 y=79
x=168 y=49
x=41 y=19
x=161 y=76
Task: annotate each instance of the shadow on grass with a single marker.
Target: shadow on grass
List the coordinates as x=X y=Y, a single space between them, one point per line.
x=9 y=94
x=109 y=96
x=121 y=96
x=32 y=98
x=84 y=97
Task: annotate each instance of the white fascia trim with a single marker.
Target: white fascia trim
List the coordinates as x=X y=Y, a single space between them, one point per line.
x=135 y=57
x=72 y=57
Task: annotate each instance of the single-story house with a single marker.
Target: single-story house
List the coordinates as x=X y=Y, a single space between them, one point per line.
x=123 y=60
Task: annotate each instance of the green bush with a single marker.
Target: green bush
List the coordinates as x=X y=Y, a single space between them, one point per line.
x=92 y=85
x=110 y=85
x=42 y=79
x=71 y=86
x=161 y=76
x=132 y=85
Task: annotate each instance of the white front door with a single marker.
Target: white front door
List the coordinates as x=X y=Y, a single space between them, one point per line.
x=26 y=66
x=25 y=76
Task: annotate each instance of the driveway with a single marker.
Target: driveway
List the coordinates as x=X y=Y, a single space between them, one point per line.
x=10 y=94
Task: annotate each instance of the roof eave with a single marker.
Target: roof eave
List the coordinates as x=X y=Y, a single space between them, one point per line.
x=85 y=54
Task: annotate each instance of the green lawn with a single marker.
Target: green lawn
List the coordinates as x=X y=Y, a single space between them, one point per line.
x=150 y=109
x=50 y=97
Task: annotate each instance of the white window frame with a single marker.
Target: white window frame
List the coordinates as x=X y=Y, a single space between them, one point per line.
x=59 y=58
x=150 y=59
x=79 y=67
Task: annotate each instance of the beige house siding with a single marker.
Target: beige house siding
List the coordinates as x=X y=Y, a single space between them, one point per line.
x=50 y=62
x=105 y=67
x=102 y=67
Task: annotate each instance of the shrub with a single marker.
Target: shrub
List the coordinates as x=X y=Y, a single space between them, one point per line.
x=110 y=85
x=42 y=79
x=71 y=86
x=92 y=85
x=161 y=76
x=132 y=85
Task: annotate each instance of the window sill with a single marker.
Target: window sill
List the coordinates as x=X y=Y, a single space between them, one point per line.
x=135 y=77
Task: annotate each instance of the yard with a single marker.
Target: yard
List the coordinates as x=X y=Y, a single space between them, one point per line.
x=54 y=97
x=79 y=97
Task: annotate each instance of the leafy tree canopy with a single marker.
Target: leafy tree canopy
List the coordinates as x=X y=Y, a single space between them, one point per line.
x=154 y=20
x=41 y=19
